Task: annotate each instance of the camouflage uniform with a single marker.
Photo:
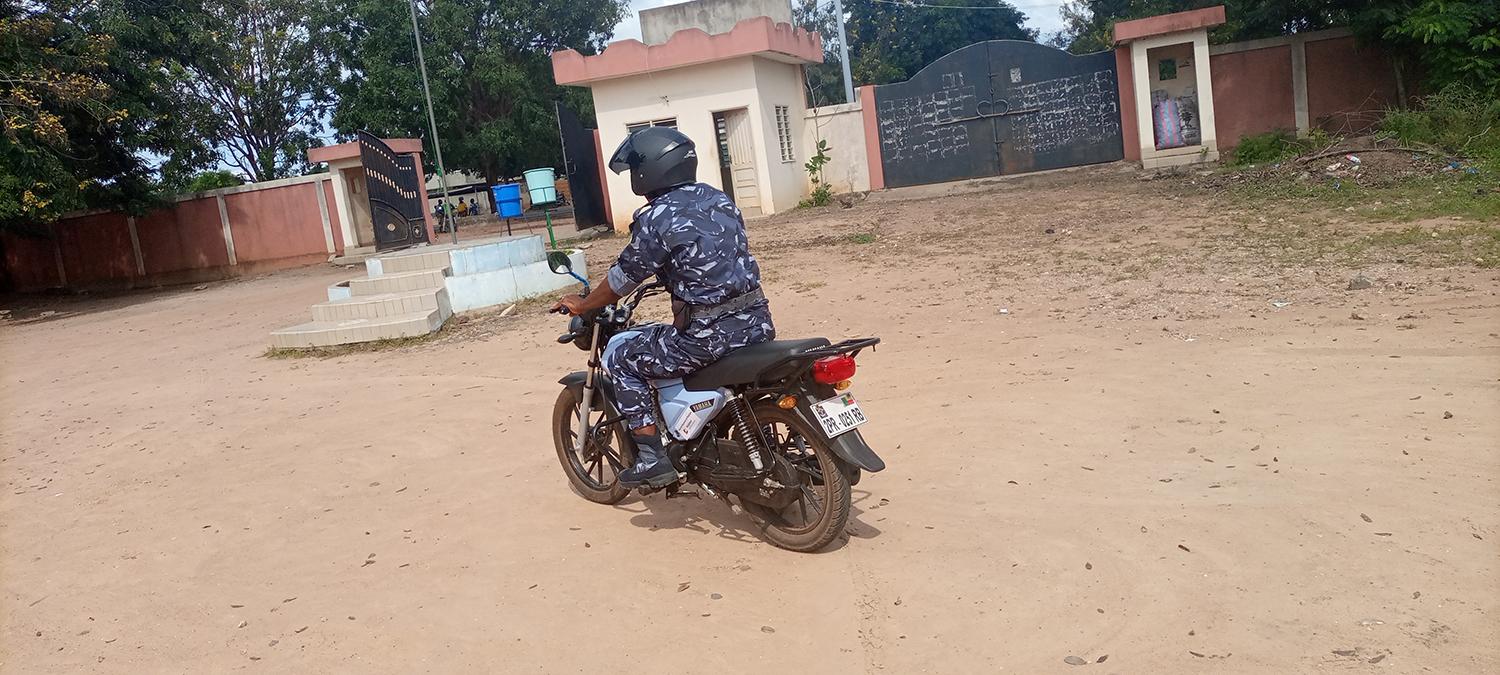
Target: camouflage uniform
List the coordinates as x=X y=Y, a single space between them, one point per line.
x=693 y=239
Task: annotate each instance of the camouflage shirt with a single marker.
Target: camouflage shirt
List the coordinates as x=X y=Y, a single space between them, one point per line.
x=693 y=239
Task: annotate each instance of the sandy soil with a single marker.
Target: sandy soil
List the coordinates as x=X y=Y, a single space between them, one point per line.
x=1142 y=458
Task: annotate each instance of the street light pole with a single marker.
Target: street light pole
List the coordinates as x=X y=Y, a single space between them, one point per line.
x=437 y=146
x=838 y=8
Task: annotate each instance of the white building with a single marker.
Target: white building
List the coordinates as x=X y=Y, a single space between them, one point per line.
x=738 y=94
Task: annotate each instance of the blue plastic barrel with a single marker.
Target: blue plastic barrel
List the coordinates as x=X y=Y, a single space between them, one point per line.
x=507 y=199
x=541 y=185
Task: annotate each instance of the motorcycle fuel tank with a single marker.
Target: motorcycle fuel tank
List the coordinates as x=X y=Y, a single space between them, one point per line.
x=685 y=412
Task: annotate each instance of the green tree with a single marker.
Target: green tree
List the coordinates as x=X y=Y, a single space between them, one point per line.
x=260 y=80
x=890 y=40
x=1455 y=42
x=490 y=71
x=212 y=180
x=83 y=102
x=1088 y=25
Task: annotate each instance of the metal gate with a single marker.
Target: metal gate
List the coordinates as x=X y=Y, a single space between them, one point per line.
x=581 y=164
x=395 y=186
x=999 y=107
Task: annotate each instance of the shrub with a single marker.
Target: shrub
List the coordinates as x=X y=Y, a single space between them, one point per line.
x=821 y=195
x=1458 y=119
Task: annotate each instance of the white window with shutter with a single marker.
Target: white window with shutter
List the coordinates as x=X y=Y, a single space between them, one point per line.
x=784 y=133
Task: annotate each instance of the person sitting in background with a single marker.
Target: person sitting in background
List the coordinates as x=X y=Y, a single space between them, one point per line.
x=473 y=207
x=463 y=209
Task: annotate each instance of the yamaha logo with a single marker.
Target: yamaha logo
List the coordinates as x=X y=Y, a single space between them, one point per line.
x=701 y=405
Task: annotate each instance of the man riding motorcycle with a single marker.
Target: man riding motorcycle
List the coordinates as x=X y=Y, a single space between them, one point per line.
x=692 y=237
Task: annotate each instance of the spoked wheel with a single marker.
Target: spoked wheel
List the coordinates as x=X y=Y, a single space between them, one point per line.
x=803 y=459
x=595 y=472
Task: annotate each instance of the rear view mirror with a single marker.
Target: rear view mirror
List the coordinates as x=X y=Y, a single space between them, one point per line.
x=559 y=262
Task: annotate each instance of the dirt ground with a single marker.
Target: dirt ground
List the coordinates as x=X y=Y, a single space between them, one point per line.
x=1122 y=418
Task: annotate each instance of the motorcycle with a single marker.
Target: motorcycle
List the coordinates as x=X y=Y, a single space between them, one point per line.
x=772 y=424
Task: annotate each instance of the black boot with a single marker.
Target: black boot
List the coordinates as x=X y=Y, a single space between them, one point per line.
x=651 y=465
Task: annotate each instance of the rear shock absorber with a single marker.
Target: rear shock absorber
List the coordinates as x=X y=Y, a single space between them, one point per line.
x=751 y=437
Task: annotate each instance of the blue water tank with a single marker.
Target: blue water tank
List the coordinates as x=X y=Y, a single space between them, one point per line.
x=507 y=199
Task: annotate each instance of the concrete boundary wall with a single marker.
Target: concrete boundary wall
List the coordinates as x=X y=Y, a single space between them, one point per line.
x=843 y=127
x=217 y=234
x=1321 y=79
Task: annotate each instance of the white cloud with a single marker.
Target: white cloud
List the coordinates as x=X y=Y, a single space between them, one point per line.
x=1040 y=14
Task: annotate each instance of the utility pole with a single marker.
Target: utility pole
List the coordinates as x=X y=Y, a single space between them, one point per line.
x=437 y=145
x=838 y=8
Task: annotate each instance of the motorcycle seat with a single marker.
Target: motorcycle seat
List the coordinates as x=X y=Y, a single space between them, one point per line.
x=742 y=365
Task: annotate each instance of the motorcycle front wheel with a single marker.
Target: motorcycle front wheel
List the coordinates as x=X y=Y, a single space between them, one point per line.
x=595 y=472
x=822 y=509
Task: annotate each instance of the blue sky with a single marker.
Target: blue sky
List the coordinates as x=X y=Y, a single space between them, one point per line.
x=1040 y=14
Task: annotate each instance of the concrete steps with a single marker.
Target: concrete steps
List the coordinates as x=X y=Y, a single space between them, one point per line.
x=408 y=262
x=413 y=292
x=351 y=331
x=402 y=282
x=382 y=305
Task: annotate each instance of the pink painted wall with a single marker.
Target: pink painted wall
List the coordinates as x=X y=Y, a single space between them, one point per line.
x=1253 y=93
x=277 y=224
x=273 y=228
x=30 y=262
x=333 y=215
x=1125 y=79
x=183 y=238
x=96 y=249
x=872 y=136
x=1343 y=77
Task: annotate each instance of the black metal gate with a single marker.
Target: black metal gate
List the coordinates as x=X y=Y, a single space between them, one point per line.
x=999 y=107
x=581 y=164
x=395 y=186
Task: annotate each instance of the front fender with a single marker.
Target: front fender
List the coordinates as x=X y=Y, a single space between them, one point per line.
x=603 y=388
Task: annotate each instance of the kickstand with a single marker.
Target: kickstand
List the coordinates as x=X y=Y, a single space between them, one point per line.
x=675 y=490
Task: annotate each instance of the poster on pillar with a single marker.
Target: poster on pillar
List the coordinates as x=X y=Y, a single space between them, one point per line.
x=395 y=189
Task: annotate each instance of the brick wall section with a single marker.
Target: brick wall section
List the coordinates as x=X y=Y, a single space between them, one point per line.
x=1252 y=93
x=1343 y=77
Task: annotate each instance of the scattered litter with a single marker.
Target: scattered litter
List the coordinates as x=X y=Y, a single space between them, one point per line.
x=684 y=586
x=1371 y=622
x=1075 y=661
x=1004 y=310
x=1353 y=159
x=1365 y=518
x=1278 y=304
x=243 y=624
x=200 y=287
x=1447 y=415
x=1359 y=283
x=767 y=629
x=1184 y=548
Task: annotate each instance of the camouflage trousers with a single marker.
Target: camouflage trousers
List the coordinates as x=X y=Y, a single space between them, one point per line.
x=662 y=352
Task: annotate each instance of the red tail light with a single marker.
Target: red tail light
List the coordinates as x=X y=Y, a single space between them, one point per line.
x=833 y=369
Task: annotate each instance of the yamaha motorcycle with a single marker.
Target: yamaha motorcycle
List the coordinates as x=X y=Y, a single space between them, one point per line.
x=772 y=424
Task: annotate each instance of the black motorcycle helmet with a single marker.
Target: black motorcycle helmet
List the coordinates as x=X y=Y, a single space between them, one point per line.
x=659 y=159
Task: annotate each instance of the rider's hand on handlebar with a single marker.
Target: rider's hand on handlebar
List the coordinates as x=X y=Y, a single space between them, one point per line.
x=571 y=305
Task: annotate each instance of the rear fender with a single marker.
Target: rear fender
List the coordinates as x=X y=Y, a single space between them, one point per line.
x=849 y=446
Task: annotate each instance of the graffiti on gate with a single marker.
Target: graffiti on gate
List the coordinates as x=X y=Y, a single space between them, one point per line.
x=999 y=107
x=1080 y=109
x=913 y=127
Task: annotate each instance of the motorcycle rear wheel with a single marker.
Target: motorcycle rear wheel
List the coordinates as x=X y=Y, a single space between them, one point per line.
x=821 y=512
x=595 y=474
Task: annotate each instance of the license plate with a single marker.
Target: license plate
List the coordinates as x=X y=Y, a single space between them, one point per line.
x=839 y=414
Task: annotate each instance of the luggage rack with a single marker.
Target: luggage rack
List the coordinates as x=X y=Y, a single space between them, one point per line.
x=852 y=347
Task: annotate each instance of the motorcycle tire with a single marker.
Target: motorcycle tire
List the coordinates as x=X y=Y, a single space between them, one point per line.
x=834 y=486
x=595 y=481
